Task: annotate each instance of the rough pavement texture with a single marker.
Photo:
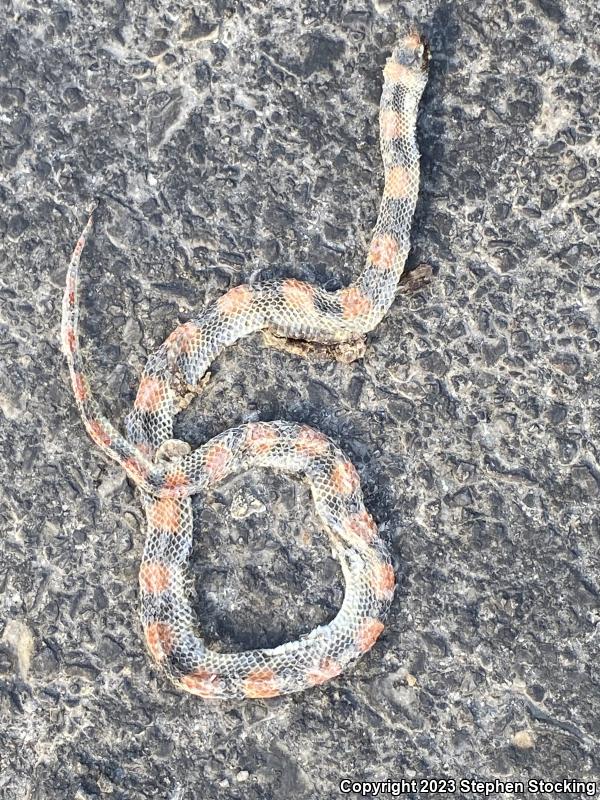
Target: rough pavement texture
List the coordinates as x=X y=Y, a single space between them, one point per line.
x=238 y=141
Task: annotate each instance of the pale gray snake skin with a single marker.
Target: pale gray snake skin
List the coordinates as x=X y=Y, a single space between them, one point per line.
x=168 y=474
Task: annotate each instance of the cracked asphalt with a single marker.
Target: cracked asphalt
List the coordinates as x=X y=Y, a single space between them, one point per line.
x=228 y=141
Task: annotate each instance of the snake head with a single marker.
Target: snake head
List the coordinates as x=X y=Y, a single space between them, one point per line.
x=413 y=51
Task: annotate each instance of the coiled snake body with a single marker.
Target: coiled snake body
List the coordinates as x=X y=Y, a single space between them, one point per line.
x=167 y=473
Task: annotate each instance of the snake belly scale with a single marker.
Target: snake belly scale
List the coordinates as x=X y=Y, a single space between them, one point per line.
x=168 y=473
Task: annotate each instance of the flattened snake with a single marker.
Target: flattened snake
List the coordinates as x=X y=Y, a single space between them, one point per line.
x=168 y=473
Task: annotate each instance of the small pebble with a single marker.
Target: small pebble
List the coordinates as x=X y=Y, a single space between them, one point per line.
x=523 y=740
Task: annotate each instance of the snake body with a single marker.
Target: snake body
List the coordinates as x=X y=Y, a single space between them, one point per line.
x=168 y=473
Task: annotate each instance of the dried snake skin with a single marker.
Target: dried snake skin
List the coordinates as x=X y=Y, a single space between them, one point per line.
x=167 y=473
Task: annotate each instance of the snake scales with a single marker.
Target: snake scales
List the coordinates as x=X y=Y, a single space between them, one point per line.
x=168 y=473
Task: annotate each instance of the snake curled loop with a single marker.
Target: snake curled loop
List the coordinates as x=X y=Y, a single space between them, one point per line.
x=294 y=309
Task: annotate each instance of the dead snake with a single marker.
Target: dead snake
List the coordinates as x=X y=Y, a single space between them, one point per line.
x=168 y=473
